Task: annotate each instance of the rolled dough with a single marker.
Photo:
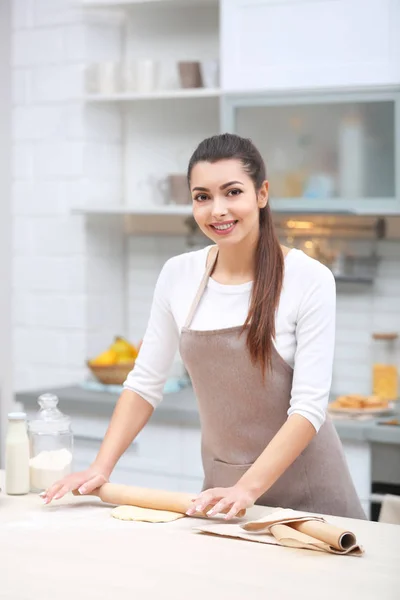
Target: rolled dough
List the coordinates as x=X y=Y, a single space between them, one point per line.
x=136 y=513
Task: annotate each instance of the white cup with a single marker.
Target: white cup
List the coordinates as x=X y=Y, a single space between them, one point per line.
x=92 y=78
x=140 y=75
x=109 y=77
x=129 y=76
x=209 y=70
x=147 y=75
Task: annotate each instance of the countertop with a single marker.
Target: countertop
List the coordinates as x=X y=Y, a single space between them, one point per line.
x=181 y=408
x=74 y=549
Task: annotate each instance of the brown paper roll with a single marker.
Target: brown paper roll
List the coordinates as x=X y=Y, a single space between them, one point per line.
x=287 y=536
x=334 y=536
x=118 y=494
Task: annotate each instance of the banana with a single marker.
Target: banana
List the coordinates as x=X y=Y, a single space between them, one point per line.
x=126 y=351
x=120 y=352
x=109 y=357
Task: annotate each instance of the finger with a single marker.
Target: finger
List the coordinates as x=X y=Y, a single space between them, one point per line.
x=221 y=506
x=235 y=510
x=92 y=484
x=204 y=500
x=64 y=490
x=51 y=492
x=196 y=502
x=194 y=508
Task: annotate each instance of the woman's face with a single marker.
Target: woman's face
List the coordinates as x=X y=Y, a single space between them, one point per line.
x=225 y=202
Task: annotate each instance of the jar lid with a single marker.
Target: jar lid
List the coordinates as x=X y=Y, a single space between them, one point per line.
x=49 y=418
x=16 y=416
x=385 y=336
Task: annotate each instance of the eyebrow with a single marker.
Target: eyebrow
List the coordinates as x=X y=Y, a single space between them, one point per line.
x=222 y=187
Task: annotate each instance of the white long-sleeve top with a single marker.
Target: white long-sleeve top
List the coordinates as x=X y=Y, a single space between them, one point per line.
x=305 y=326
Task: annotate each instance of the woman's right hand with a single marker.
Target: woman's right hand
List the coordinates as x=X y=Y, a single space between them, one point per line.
x=83 y=481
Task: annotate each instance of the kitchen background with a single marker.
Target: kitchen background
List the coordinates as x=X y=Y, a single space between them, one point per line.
x=109 y=99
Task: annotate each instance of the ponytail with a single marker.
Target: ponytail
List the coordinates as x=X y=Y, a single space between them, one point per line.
x=266 y=292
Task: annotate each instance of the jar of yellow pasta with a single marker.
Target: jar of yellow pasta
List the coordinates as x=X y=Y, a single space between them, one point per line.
x=385 y=375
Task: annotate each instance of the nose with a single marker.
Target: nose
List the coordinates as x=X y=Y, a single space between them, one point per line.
x=219 y=207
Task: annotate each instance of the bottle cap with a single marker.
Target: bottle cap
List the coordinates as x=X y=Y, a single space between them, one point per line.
x=16 y=416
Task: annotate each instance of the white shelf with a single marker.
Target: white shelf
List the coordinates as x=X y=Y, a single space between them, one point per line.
x=155 y=3
x=163 y=210
x=158 y=95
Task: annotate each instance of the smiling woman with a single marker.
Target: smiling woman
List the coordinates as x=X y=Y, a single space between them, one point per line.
x=254 y=322
x=234 y=206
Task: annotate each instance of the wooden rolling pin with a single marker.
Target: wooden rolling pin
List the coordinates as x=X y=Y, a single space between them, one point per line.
x=113 y=493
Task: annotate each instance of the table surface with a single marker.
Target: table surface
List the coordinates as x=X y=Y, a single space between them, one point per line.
x=74 y=549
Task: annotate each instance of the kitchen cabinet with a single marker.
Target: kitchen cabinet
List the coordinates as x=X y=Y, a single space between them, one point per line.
x=358 y=458
x=145 y=463
x=325 y=152
x=169 y=457
x=305 y=79
x=162 y=456
x=167 y=452
x=286 y=44
x=146 y=120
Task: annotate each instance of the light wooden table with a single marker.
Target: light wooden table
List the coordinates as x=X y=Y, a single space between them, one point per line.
x=74 y=549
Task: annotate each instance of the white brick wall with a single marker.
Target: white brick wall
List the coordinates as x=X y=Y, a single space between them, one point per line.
x=67 y=272
x=49 y=270
x=33 y=47
x=105 y=283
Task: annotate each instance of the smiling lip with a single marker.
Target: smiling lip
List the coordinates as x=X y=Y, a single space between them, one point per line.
x=227 y=227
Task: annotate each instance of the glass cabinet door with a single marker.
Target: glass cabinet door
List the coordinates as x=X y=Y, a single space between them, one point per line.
x=330 y=154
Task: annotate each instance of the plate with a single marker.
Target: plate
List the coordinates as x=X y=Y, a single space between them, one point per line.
x=361 y=411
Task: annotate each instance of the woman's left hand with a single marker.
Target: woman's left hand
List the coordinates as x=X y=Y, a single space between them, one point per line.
x=216 y=500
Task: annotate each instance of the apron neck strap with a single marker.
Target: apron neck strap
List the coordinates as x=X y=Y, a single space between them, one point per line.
x=203 y=285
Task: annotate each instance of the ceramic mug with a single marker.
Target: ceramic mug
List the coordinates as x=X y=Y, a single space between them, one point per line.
x=175 y=189
x=189 y=74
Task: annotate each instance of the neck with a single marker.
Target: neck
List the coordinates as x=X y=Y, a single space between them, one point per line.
x=236 y=263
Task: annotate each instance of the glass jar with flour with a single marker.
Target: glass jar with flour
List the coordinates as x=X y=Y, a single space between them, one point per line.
x=51 y=444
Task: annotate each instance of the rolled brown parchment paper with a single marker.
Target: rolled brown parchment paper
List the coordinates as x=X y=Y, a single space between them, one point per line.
x=280 y=515
x=287 y=536
x=113 y=493
x=314 y=526
x=294 y=529
x=338 y=538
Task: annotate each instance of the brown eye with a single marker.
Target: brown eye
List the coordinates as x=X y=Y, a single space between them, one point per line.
x=201 y=197
x=235 y=192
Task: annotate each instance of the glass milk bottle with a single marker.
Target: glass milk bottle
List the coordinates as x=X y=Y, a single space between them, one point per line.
x=51 y=442
x=384 y=369
x=17 y=455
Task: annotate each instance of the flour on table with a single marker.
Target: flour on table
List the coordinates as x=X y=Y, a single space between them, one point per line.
x=49 y=466
x=136 y=513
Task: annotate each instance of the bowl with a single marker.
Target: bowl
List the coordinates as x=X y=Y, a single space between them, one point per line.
x=111 y=374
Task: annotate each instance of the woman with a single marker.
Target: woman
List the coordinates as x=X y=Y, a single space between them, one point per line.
x=254 y=322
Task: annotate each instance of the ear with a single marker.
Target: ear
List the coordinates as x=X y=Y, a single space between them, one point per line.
x=263 y=195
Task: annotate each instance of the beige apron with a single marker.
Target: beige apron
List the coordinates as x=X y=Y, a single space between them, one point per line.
x=240 y=414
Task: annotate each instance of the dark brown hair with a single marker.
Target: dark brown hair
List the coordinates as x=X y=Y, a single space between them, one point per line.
x=269 y=262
